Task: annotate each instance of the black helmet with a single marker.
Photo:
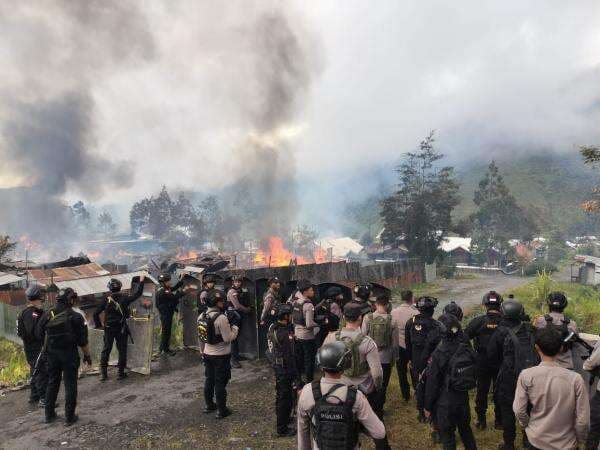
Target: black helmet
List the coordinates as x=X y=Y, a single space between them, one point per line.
x=214 y=297
x=454 y=309
x=237 y=278
x=363 y=291
x=282 y=310
x=65 y=295
x=512 y=310
x=449 y=324
x=208 y=278
x=333 y=357
x=332 y=292
x=273 y=280
x=34 y=292
x=164 y=277
x=114 y=285
x=492 y=299
x=557 y=301
x=426 y=303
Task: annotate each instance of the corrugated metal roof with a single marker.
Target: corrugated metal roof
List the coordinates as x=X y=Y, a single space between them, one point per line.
x=9 y=278
x=97 y=285
x=451 y=243
x=67 y=273
x=340 y=247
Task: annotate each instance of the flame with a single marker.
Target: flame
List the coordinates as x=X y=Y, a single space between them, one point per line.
x=94 y=255
x=276 y=255
x=189 y=254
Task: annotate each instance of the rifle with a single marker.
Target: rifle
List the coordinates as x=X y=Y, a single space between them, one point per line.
x=39 y=359
x=574 y=338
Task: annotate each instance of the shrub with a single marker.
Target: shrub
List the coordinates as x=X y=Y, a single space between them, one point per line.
x=537 y=267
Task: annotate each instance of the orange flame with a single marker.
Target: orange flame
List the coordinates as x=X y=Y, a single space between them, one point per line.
x=189 y=254
x=94 y=255
x=276 y=255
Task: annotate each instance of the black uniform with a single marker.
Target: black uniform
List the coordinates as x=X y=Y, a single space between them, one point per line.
x=281 y=343
x=26 y=329
x=326 y=319
x=116 y=310
x=167 y=302
x=451 y=407
x=65 y=330
x=501 y=351
x=480 y=330
x=236 y=316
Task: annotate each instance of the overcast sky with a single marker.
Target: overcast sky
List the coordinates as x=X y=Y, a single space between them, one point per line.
x=489 y=76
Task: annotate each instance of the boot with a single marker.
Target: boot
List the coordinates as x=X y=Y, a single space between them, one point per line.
x=51 y=417
x=122 y=375
x=103 y=373
x=435 y=437
x=221 y=414
x=505 y=446
x=71 y=420
x=210 y=408
x=235 y=364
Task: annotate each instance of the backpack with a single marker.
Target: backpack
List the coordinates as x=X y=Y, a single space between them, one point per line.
x=522 y=342
x=206 y=329
x=335 y=426
x=298 y=314
x=25 y=332
x=380 y=330
x=488 y=328
x=462 y=369
x=418 y=334
x=357 y=367
x=59 y=330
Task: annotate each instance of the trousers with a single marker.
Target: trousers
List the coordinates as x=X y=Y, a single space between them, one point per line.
x=505 y=398
x=402 y=369
x=166 y=322
x=454 y=416
x=62 y=366
x=235 y=345
x=485 y=378
x=114 y=335
x=306 y=351
x=39 y=381
x=284 y=400
x=594 y=437
x=217 y=373
x=387 y=373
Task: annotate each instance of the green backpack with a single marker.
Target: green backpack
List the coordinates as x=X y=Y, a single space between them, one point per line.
x=380 y=330
x=357 y=368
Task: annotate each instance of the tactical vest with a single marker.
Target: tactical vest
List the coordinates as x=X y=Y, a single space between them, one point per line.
x=276 y=348
x=489 y=326
x=59 y=330
x=357 y=367
x=380 y=330
x=334 y=425
x=298 y=313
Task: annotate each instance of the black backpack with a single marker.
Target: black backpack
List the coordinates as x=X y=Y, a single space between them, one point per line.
x=59 y=330
x=206 y=329
x=298 y=314
x=26 y=329
x=335 y=427
x=488 y=328
x=522 y=342
x=418 y=334
x=462 y=369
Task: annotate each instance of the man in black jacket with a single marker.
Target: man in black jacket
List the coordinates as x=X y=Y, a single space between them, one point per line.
x=167 y=301
x=511 y=359
x=422 y=334
x=442 y=398
x=480 y=331
x=26 y=330
x=65 y=330
x=116 y=312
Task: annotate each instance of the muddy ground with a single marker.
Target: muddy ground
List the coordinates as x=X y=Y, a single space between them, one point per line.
x=164 y=410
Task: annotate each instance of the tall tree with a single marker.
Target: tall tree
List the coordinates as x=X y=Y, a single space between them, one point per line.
x=419 y=214
x=591 y=156
x=6 y=246
x=498 y=217
x=160 y=215
x=106 y=224
x=81 y=216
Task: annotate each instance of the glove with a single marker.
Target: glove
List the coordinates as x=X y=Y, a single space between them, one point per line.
x=87 y=359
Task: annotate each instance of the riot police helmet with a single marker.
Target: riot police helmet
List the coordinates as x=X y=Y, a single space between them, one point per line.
x=67 y=295
x=114 y=285
x=454 y=309
x=426 y=303
x=333 y=357
x=333 y=292
x=274 y=280
x=449 y=325
x=282 y=310
x=557 y=301
x=214 y=297
x=34 y=292
x=512 y=310
x=492 y=300
x=363 y=291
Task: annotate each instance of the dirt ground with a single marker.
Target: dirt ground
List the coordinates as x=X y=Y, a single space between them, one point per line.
x=164 y=410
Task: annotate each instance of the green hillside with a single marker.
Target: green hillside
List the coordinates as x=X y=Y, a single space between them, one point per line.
x=552 y=185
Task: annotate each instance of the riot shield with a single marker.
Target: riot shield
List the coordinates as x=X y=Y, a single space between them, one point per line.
x=188 y=313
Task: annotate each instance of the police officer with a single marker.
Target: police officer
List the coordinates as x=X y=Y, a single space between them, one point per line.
x=271 y=298
x=63 y=331
x=116 y=312
x=365 y=370
x=403 y=314
x=237 y=308
x=287 y=378
x=167 y=301
x=330 y=413
x=557 y=302
x=303 y=318
x=592 y=365
x=446 y=392
x=329 y=311
x=383 y=329
x=454 y=309
x=512 y=346
x=480 y=330
x=217 y=353
x=208 y=282
x=422 y=335
x=26 y=330
x=362 y=295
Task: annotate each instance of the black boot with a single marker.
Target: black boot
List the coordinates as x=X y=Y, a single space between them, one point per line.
x=210 y=408
x=51 y=417
x=71 y=420
x=122 y=375
x=103 y=373
x=222 y=413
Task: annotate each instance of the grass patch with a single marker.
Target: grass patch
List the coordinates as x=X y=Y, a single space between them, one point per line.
x=13 y=364
x=434 y=289
x=584 y=301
